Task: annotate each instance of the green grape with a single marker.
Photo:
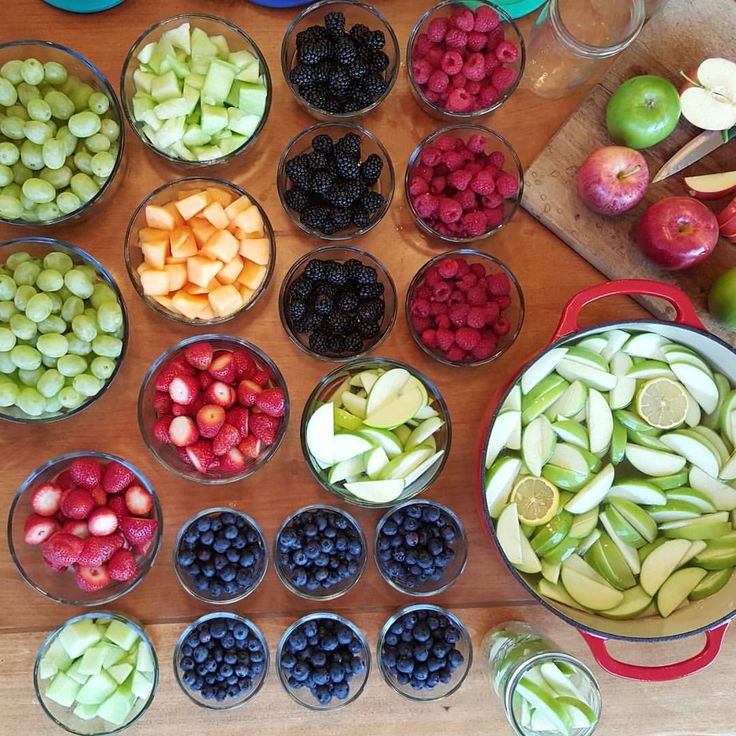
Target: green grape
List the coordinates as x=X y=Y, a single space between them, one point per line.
x=83 y=186
x=97 y=143
x=30 y=378
x=23 y=294
x=39 y=110
x=71 y=365
x=30 y=401
x=102 y=293
x=58 y=261
x=110 y=317
x=48 y=362
x=11 y=70
x=32 y=71
x=69 y=141
x=54 y=72
x=7 y=310
x=76 y=346
x=47 y=212
x=110 y=129
x=9 y=153
x=7 y=339
x=13 y=190
x=8 y=393
x=84 y=124
x=79 y=283
x=22 y=327
x=31 y=154
x=53 y=345
x=88 y=271
x=84 y=327
x=99 y=103
x=52 y=405
x=10 y=207
x=71 y=308
x=27 y=273
x=102 y=367
x=38 y=190
x=25 y=356
x=83 y=161
x=52 y=324
x=21 y=173
x=7 y=287
x=68 y=202
x=54 y=155
x=58 y=178
x=26 y=93
x=99 y=180
x=50 y=383
x=108 y=346
x=12 y=127
x=79 y=95
x=39 y=307
x=69 y=398
x=37 y=133
x=102 y=165
x=6 y=364
x=15 y=259
x=56 y=302
x=6 y=175
x=49 y=280
x=8 y=94
x=86 y=384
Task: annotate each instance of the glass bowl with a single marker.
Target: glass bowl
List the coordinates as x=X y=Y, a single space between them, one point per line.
x=84 y=71
x=444 y=9
x=340 y=254
x=512 y=165
x=134 y=255
x=441 y=690
x=369 y=145
x=339 y=588
x=64 y=716
x=61 y=587
x=166 y=454
x=186 y=579
x=212 y=26
x=355 y=13
x=254 y=634
x=302 y=694
x=339 y=380
x=513 y=313
x=455 y=567
x=38 y=248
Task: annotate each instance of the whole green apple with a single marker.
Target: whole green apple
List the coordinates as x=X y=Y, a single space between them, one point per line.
x=722 y=299
x=643 y=111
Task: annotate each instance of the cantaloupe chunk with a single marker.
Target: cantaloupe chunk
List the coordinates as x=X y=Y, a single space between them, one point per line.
x=159 y=218
x=194 y=289
x=230 y=271
x=155 y=283
x=245 y=292
x=249 y=220
x=155 y=253
x=193 y=205
x=174 y=259
x=201 y=270
x=214 y=213
x=178 y=219
x=225 y=300
x=236 y=207
x=223 y=245
x=252 y=275
x=220 y=195
x=183 y=243
x=256 y=249
x=207 y=313
x=166 y=302
x=177 y=275
x=184 y=193
x=190 y=305
x=151 y=234
x=202 y=230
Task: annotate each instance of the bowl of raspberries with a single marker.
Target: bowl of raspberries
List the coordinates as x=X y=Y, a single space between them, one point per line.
x=213 y=409
x=335 y=181
x=337 y=303
x=464 y=62
x=84 y=528
x=340 y=59
x=463 y=183
x=464 y=308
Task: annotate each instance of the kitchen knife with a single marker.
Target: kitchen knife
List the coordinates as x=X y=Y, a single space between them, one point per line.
x=699 y=147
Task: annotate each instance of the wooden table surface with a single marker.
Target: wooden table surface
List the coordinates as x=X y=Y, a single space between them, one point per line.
x=486 y=594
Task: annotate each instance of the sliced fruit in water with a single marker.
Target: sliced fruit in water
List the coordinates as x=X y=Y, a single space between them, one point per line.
x=618 y=442
x=550 y=571
x=537 y=500
x=647 y=369
x=568 y=430
x=570 y=403
x=646 y=345
x=627 y=551
x=542 y=396
x=571 y=458
x=662 y=403
x=598 y=596
x=599 y=422
x=345 y=420
x=538 y=442
x=696 y=498
x=508 y=533
x=563 y=478
x=632 y=421
x=637 y=517
x=695 y=449
x=500 y=479
x=617 y=525
x=654 y=462
x=504 y=426
x=720 y=494
x=638 y=491
x=716 y=558
x=592 y=493
x=584 y=524
x=513 y=399
x=546 y=703
x=541 y=368
x=556 y=592
x=591 y=377
x=715 y=440
x=709 y=526
x=677 y=588
x=607 y=560
x=713 y=419
x=661 y=563
x=635 y=601
x=666 y=482
x=713 y=581
x=581 y=354
x=673 y=511
x=376 y=491
x=588 y=542
x=558 y=681
x=699 y=383
x=562 y=551
x=623 y=392
x=696 y=547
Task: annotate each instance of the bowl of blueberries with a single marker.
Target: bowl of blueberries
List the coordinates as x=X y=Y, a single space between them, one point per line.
x=221 y=660
x=323 y=661
x=420 y=548
x=220 y=556
x=319 y=552
x=337 y=303
x=424 y=652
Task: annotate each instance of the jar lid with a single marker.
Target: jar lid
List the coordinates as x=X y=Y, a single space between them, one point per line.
x=84 y=6
x=518 y=8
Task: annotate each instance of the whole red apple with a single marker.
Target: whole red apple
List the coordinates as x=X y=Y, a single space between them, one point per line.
x=677 y=232
x=613 y=179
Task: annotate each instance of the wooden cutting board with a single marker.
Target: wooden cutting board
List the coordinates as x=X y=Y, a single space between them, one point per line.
x=684 y=33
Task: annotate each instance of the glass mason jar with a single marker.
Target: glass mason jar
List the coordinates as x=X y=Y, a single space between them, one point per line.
x=654 y=6
x=514 y=651
x=572 y=38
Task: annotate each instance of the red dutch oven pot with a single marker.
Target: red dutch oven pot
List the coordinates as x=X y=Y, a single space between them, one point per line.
x=710 y=616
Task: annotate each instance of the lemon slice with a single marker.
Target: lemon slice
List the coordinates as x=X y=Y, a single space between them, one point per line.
x=662 y=403
x=536 y=499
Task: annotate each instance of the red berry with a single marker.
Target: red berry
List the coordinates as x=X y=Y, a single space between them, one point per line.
x=264 y=428
x=476 y=296
x=459 y=101
x=122 y=566
x=85 y=472
x=443 y=322
x=494 y=217
x=503 y=77
x=486 y=19
x=221 y=394
x=476 y=317
x=137 y=531
x=445 y=339
x=466 y=199
x=116 y=477
x=467 y=338
x=452 y=62
x=227 y=438
x=160 y=430
x=426 y=205
x=245 y=366
x=46 y=499
x=167 y=373
x=456 y=38
x=503 y=301
x=272 y=402
x=77 y=528
x=98 y=550
x=485 y=348
x=438 y=308
x=441 y=292
x=463 y=18
x=448 y=268
x=209 y=419
x=474 y=67
x=222 y=367
x=418 y=186
x=429 y=338
x=489 y=96
x=184 y=389
x=506 y=52
x=507 y=185
x=501 y=326
x=492 y=312
x=434 y=56
x=199 y=455
x=77 y=503
x=183 y=431
x=460 y=179
x=430 y=156
x=498 y=284
x=205 y=380
x=92 y=579
x=421 y=323
x=247 y=393
x=138 y=501
x=437 y=185
x=250 y=447
x=118 y=507
x=233 y=461
x=456 y=354
x=102 y=521
x=261 y=378
x=199 y=355
x=477 y=41
x=61 y=550
x=437 y=28
x=38 y=529
x=458 y=314
x=239 y=418
x=421 y=69
x=449 y=211
x=161 y=403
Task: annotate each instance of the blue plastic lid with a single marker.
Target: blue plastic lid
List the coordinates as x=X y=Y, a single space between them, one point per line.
x=84 y=6
x=515 y=8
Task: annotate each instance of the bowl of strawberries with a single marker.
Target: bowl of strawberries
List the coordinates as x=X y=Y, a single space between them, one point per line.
x=84 y=528
x=213 y=409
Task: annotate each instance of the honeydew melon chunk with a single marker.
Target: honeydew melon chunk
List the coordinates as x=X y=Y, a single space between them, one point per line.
x=143 y=81
x=405 y=463
x=648 y=369
x=654 y=462
x=180 y=38
x=62 y=690
x=699 y=383
x=646 y=345
x=422 y=468
x=201 y=44
x=556 y=592
x=499 y=481
x=384 y=438
x=250 y=73
x=584 y=524
x=97 y=689
x=568 y=430
x=376 y=491
x=423 y=431
x=345 y=469
x=591 y=377
x=252 y=98
x=145 y=54
x=241 y=59
x=660 y=563
x=595 y=595
x=677 y=588
x=550 y=570
x=142 y=685
x=243 y=123
x=221 y=44
x=169 y=133
x=616 y=339
x=636 y=600
x=693 y=496
x=165 y=87
x=595 y=343
x=695 y=449
x=91 y=662
x=347 y=445
x=721 y=495
x=163 y=51
x=538 y=442
x=172 y=108
x=46 y=669
x=571 y=403
x=629 y=553
x=545 y=706
x=193 y=136
x=85 y=712
x=74 y=673
x=638 y=491
x=713 y=419
x=541 y=368
x=76 y=638
x=713 y=581
x=558 y=681
x=57 y=656
x=320 y=434
x=504 y=426
x=120 y=672
x=116 y=709
x=214 y=119
x=121 y=634
x=508 y=533
x=592 y=493
x=513 y=399
x=709 y=526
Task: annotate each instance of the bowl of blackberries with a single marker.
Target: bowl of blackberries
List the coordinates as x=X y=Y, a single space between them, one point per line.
x=335 y=180
x=424 y=652
x=221 y=660
x=340 y=59
x=337 y=303
x=220 y=556
x=420 y=548
x=319 y=552
x=323 y=661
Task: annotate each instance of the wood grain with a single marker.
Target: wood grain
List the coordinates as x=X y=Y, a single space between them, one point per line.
x=682 y=34
x=549 y=273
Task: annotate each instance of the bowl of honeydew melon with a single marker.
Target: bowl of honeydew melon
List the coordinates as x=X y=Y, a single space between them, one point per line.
x=196 y=89
x=96 y=674
x=607 y=478
x=375 y=432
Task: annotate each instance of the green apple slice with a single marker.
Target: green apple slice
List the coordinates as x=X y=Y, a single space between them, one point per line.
x=596 y=343
x=635 y=601
x=508 y=533
x=621 y=528
x=530 y=563
x=354 y=404
x=563 y=478
x=584 y=524
x=423 y=467
x=562 y=551
x=426 y=429
x=680 y=354
x=648 y=548
x=500 y=479
x=557 y=593
x=546 y=704
x=618 y=443
x=661 y=563
x=538 y=442
x=695 y=449
x=696 y=498
x=402 y=433
x=594 y=462
x=398 y=410
x=504 y=426
x=336 y=396
x=716 y=558
x=715 y=440
x=696 y=547
x=550 y=570
x=654 y=462
x=588 y=542
x=728 y=471
x=376 y=491
x=646 y=345
x=558 y=681
x=638 y=491
x=568 y=430
x=632 y=421
x=599 y=421
x=548 y=536
x=713 y=581
x=387 y=388
x=541 y=368
x=592 y=493
x=699 y=383
x=667 y=482
x=403 y=464
x=581 y=714
x=588 y=592
x=580 y=354
x=673 y=511
x=622 y=394
x=627 y=551
x=346 y=469
x=345 y=420
x=571 y=403
x=356 y=380
x=384 y=438
x=579 y=565
x=728 y=417
x=513 y=399
x=349 y=444
x=720 y=494
x=616 y=339
x=320 y=434
x=570 y=458
x=426 y=412
x=694 y=414
x=648 y=369
x=637 y=517
x=368 y=379
x=591 y=377
x=374 y=462
x=646 y=439
x=542 y=397
x=607 y=560
x=713 y=419
x=677 y=588
x=524 y=711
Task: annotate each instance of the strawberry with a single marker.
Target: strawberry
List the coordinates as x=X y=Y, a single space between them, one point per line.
x=61 y=550
x=161 y=429
x=250 y=447
x=182 y=453
x=168 y=372
x=118 y=507
x=190 y=410
x=99 y=496
x=214 y=465
x=200 y=455
x=142 y=548
x=271 y=402
x=245 y=366
x=248 y=393
x=238 y=417
x=209 y=420
x=184 y=389
x=38 y=529
x=199 y=355
x=233 y=461
x=264 y=428
x=221 y=394
x=261 y=378
x=102 y=522
x=77 y=528
x=86 y=472
x=138 y=500
x=161 y=403
x=77 y=504
x=205 y=380
x=137 y=531
x=64 y=480
x=117 y=477
x=222 y=367
x=183 y=431
x=226 y=439
x=92 y=579
x=97 y=550
x=46 y=499
x=122 y=566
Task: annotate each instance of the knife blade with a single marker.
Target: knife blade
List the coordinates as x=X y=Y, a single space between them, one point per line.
x=699 y=147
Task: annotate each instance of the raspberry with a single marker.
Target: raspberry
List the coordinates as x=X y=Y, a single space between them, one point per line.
x=438 y=185
x=492 y=200
x=432 y=96
x=432 y=277
x=474 y=67
x=475 y=223
x=503 y=301
x=450 y=211
x=460 y=179
x=478 y=270
x=474 y=166
x=437 y=28
x=426 y=205
x=485 y=348
x=494 y=38
x=502 y=326
x=491 y=63
x=476 y=296
x=438 y=81
x=466 y=199
x=486 y=19
x=449 y=143
x=421 y=69
x=458 y=314
x=447 y=268
x=476 y=317
x=458 y=81
x=421 y=323
x=441 y=291
x=507 y=185
x=473 y=88
x=498 y=284
x=492 y=312
x=462 y=268
x=506 y=52
x=468 y=281
x=467 y=338
x=494 y=217
x=458 y=101
x=456 y=38
x=497 y=159
x=452 y=63
x=423 y=292
x=463 y=18
x=422 y=45
x=438 y=308
x=477 y=41
x=503 y=77
x=423 y=172
x=420 y=307
x=417 y=186
x=453 y=159
x=483 y=182
x=434 y=56
x=477 y=143
x=429 y=338
x=489 y=96
x=455 y=354
x=457 y=297
x=445 y=339
x=443 y=322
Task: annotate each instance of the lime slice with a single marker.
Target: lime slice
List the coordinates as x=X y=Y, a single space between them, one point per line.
x=662 y=403
x=537 y=500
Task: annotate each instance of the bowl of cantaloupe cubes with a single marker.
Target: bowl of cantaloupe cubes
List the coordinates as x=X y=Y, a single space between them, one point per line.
x=200 y=250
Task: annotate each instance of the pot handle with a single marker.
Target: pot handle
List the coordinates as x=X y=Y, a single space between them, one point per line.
x=686 y=313
x=662 y=673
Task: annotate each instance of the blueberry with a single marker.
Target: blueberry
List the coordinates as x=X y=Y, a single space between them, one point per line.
x=300 y=558
x=247 y=558
x=430 y=513
x=228 y=642
x=391 y=640
x=310 y=628
x=202 y=524
x=357 y=665
x=329 y=642
x=402 y=678
x=410 y=524
x=414 y=512
x=455 y=658
x=445 y=676
x=405 y=665
x=299 y=577
x=216 y=589
x=300 y=672
x=341 y=690
x=321 y=676
x=207 y=538
x=187 y=663
x=389 y=528
x=323 y=695
x=186 y=557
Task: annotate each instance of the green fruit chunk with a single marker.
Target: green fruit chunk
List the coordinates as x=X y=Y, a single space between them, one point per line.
x=722 y=299
x=713 y=582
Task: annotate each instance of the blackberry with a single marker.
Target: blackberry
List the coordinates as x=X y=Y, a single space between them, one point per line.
x=353 y=267
x=341 y=218
x=337 y=344
x=375 y=85
x=360 y=217
x=359 y=98
x=311 y=34
x=347 y=167
x=298 y=171
x=367 y=275
x=316 y=161
x=325 y=287
x=370 y=311
x=371 y=201
x=349 y=145
x=296 y=198
x=319 y=342
x=302 y=75
x=323 y=304
x=330 y=226
x=371 y=168
x=315 y=97
x=315 y=270
x=378 y=62
x=322 y=72
x=321 y=182
x=323 y=144
x=348 y=301
x=335 y=24
x=342 y=196
x=333 y=104
x=345 y=51
x=340 y=82
x=374 y=40
x=370 y=291
x=311 y=321
x=315 y=218
x=339 y=323
x=358 y=32
x=312 y=52
x=335 y=274
x=297 y=310
x=301 y=288
x=358 y=69
x=353 y=343
x=369 y=330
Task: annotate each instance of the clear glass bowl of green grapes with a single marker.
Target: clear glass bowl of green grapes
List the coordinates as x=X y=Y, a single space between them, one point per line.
x=63 y=330
x=61 y=134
